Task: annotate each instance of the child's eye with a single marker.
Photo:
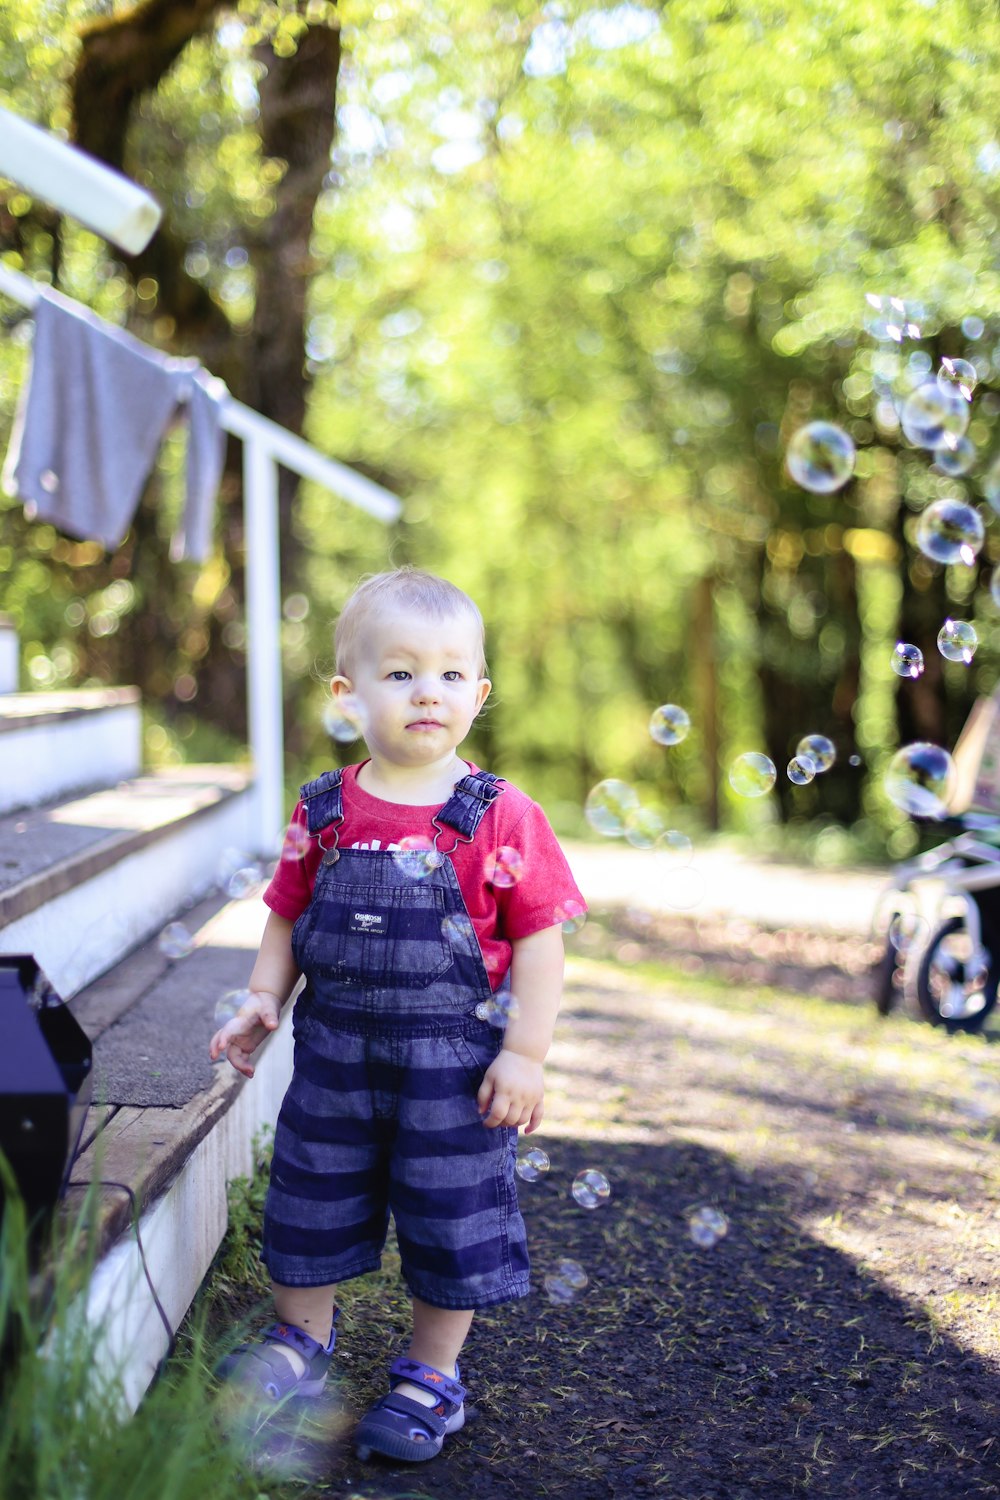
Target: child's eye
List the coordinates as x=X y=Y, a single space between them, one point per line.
x=399 y=676
x=452 y=676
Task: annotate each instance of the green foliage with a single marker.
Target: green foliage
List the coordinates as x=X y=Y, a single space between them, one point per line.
x=576 y=278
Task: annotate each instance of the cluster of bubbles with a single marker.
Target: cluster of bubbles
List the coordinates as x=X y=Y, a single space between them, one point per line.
x=590 y=1190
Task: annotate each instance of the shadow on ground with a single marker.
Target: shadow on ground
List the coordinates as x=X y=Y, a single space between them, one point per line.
x=769 y=1364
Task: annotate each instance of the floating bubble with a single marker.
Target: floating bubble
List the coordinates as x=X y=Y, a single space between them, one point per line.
x=995 y=586
x=590 y=1188
x=343 y=720
x=227 y=1005
x=175 y=941
x=707 y=1226
x=607 y=806
x=243 y=881
x=957 y=641
x=643 y=827
x=752 y=774
x=990 y=484
x=230 y=860
x=801 y=770
x=907 y=660
x=504 y=868
x=682 y=888
x=500 y=1008
x=674 y=848
x=854 y=760
x=955 y=458
x=417 y=857
x=458 y=931
x=919 y=780
x=904 y=928
x=669 y=724
x=532 y=1164
x=819 y=749
x=936 y=410
x=565 y=1282
x=295 y=842
x=950 y=531
x=820 y=457
x=960 y=373
x=572 y=914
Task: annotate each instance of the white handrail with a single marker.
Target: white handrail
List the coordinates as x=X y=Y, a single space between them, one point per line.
x=265 y=445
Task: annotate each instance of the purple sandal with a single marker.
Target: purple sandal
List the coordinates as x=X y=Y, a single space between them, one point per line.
x=399 y=1427
x=260 y=1369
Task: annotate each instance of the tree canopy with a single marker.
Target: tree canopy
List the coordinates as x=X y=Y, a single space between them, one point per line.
x=568 y=281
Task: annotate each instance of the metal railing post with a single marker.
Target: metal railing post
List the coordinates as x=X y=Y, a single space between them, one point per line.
x=263 y=628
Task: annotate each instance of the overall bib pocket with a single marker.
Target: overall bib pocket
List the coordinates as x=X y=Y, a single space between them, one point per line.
x=374 y=935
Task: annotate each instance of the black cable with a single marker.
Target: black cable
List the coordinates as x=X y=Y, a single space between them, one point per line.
x=124 y=1187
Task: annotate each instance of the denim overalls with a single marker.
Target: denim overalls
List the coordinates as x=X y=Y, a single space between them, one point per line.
x=390 y=1049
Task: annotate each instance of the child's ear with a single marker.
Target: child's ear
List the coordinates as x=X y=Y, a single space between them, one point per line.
x=482 y=692
x=341 y=687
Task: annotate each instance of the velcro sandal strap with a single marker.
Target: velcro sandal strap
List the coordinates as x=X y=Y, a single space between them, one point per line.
x=296 y=1338
x=443 y=1386
x=405 y=1406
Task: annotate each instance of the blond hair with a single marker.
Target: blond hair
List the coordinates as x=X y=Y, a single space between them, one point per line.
x=403 y=588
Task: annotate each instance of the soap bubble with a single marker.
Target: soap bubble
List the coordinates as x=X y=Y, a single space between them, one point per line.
x=607 y=806
x=682 y=888
x=572 y=914
x=500 y=1008
x=643 y=826
x=504 y=868
x=531 y=1164
x=819 y=749
x=417 y=857
x=960 y=373
x=228 y=1004
x=590 y=1188
x=904 y=929
x=990 y=484
x=854 y=760
x=950 y=531
x=919 y=780
x=458 y=931
x=936 y=410
x=707 y=1226
x=674 y=848
x=907 y=660
x=343 y=720
x=752 y=774
x=295 y=842
x=995 y=586
x=820 y=457
x=175 y=941
x=669 y=724
x=957 y=641
x=565 y=1282
x=801 y=770
x=955 y=458
x=231 y=860
x=243 y=882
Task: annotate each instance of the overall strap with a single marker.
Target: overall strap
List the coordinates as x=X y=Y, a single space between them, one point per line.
x=467 y=805
x=324 y=800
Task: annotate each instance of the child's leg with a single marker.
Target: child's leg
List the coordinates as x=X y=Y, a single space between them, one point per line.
x=307 y=1307
x=438 y=1336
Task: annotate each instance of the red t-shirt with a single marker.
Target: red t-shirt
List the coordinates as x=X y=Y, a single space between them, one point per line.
x=528 y=888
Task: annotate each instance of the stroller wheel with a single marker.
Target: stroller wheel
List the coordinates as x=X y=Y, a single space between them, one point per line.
x=946 y=983
x=883 y=976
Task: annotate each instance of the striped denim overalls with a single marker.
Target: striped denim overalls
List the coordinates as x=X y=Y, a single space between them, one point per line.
x=390 y=1049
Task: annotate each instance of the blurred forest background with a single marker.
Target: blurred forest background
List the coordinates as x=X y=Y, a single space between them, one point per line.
x=566 y=278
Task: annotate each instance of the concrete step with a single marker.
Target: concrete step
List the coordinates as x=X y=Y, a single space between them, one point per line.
x=177 y=1160
x=86 y=881
x=55 y=743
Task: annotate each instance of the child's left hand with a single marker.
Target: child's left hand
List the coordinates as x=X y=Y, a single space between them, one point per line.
x=511 y=1092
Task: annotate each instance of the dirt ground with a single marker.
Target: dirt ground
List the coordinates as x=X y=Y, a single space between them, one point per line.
x=839 y=1341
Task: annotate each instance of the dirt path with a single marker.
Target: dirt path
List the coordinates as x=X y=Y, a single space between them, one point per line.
x=840 y=1340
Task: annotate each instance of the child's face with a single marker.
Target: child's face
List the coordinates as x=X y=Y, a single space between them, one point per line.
x=418 y=685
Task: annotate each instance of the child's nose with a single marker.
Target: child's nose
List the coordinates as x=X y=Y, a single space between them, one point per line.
x=426 y=689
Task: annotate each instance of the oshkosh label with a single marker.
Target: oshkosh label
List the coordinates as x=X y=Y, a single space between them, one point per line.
x=368 y=921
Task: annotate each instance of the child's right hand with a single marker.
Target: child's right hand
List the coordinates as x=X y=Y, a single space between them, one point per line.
x=243 y=1034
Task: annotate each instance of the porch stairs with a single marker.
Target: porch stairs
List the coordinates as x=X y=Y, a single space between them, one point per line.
x=97 y=857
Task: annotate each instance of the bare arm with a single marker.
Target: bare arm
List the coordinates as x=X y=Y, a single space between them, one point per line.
x=513 y=1088
x=274 y=975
